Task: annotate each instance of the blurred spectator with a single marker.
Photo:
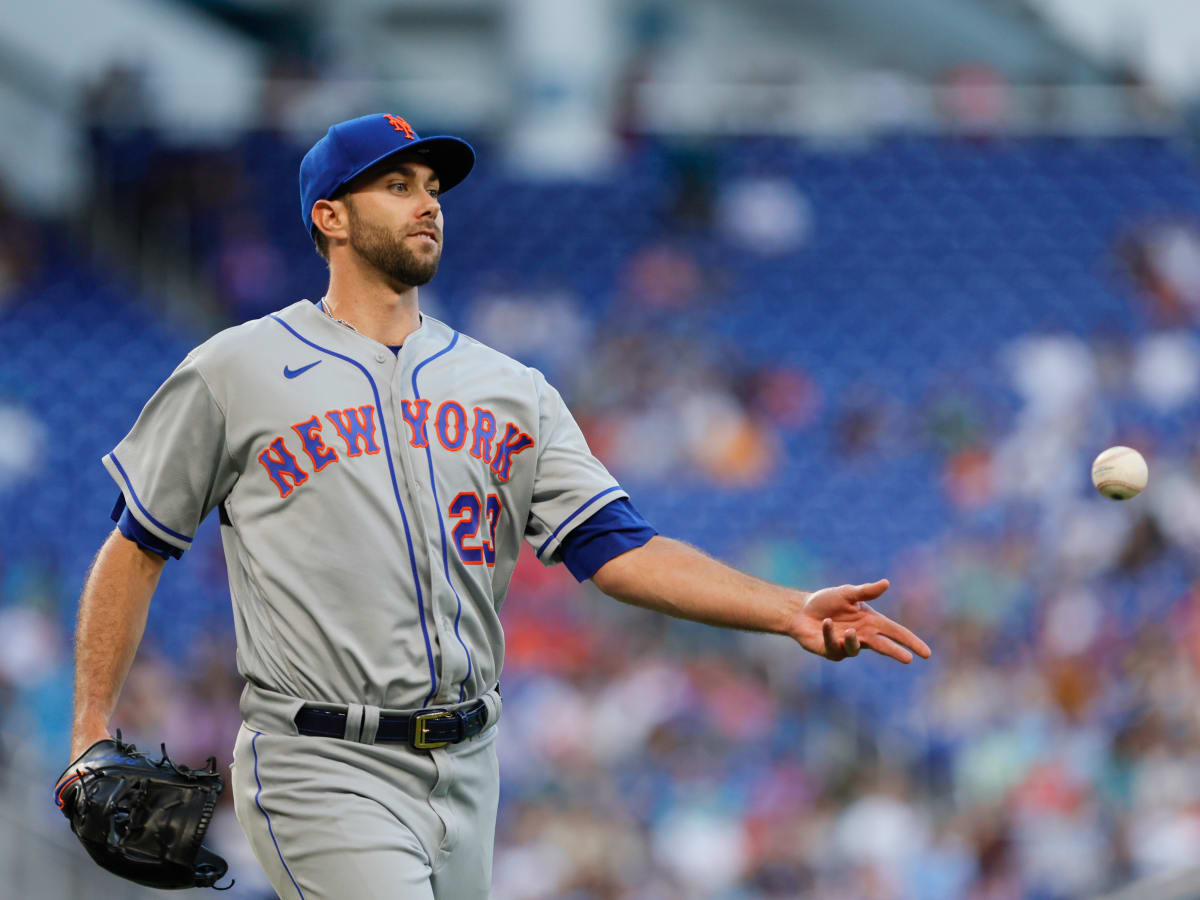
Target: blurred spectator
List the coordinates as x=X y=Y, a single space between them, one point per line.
x=22 y=244
x=765 y=215
x=290 y=79
x=31 y=647
x=249 y=270
x=546 y=329
x=975 y=99
x=119 y=120
x=692 y=170
x=1163 y=259
x=662 y=278
x=1166 y=370
x=787 y=398
x=22 y=453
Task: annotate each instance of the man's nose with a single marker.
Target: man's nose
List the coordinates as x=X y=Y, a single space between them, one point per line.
x=431 y=207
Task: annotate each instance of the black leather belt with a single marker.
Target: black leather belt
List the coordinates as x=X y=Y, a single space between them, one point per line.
x=426 y=729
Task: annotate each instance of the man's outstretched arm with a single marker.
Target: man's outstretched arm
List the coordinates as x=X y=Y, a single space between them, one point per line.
x=671 y=577
x=112 y=618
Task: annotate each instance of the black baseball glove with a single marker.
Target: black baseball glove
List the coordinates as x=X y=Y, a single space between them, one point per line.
x=140 y=818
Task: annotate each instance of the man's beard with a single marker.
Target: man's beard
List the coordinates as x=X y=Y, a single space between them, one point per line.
x=387 y=253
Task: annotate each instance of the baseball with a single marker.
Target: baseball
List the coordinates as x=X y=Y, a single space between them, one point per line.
x=1120 y=473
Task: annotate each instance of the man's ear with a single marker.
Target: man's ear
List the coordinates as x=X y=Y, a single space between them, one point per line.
x=330 y=217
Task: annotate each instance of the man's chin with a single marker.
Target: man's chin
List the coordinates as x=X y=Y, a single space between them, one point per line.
x=398 y=263
x=414 y=277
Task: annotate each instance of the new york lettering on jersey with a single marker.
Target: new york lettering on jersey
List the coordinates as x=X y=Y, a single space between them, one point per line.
x=357 y=429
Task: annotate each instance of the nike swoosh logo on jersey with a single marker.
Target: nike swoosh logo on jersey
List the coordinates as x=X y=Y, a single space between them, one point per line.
x=295 y=373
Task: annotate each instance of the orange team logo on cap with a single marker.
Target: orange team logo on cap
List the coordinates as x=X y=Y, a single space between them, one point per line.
x=400 y=125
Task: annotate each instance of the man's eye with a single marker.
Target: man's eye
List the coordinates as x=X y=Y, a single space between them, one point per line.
x=403 y=187
x=433 y=192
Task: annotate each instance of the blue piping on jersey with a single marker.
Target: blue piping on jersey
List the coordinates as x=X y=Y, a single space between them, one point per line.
x=462 y=688
x=412 y=556
x=258 y=803
x=563 y=523
x=145 y=512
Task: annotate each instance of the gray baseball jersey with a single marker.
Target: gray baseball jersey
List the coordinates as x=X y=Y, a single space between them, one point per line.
x=372 y=505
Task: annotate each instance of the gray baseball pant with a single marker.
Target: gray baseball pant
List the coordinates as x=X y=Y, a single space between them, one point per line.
x=333 y=819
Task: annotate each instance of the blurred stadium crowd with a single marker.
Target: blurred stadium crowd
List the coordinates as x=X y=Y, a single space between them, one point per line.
x=822 y=364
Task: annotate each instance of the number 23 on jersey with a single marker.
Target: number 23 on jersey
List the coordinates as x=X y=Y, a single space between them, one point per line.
x=471 y=512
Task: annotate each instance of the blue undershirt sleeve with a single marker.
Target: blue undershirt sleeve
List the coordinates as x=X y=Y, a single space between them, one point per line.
x=610 y=531
x=133 y=530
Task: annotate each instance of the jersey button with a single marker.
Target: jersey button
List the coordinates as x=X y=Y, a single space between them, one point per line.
x=380 y=356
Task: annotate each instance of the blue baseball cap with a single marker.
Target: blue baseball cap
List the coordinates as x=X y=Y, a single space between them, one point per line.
x=350 y=148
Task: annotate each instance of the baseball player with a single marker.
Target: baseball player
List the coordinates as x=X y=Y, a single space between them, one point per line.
x=375 y=472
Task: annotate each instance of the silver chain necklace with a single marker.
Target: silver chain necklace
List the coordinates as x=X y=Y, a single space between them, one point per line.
x=325 y=309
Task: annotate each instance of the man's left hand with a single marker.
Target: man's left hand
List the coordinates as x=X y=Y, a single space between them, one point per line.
x=837 y=622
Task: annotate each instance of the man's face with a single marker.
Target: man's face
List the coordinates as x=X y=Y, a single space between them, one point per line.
x=395 y=221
